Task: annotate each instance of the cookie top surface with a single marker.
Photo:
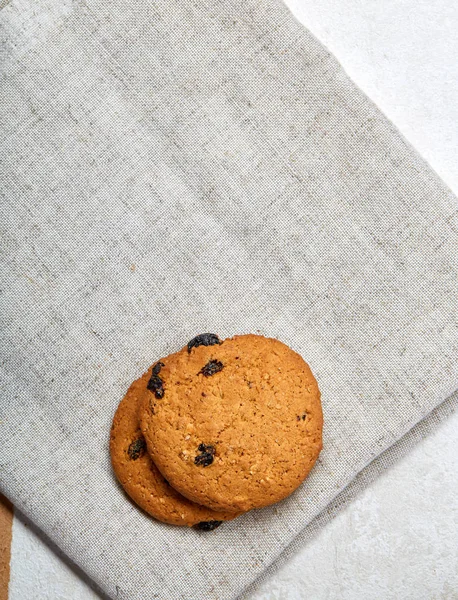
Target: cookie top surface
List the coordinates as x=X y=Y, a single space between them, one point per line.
x=139 y=476
x=233 y=425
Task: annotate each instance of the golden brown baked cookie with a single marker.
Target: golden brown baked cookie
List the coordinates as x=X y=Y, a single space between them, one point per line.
x=139 y=476
x=233 y=425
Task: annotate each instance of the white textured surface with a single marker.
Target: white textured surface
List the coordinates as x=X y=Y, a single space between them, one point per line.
x=403 y=55
x=397 y=540
x=37 y=573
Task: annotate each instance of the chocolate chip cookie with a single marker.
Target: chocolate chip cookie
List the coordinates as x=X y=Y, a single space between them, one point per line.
x=139 y=476
x=233 y=424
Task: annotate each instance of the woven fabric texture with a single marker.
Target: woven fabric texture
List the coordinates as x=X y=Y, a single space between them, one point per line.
x=171 y=167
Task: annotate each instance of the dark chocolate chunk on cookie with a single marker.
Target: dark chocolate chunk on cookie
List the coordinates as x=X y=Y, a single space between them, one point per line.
x=212 y=367
x=155 y=383
x=207 y=453
x=136 y=449
x=207 y=525
x=204 y=339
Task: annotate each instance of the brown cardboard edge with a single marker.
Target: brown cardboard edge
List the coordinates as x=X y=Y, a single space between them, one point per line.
x=6 y=527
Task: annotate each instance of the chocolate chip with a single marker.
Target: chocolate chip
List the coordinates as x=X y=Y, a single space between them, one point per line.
x=155 y=384
x=298 y=417
x=157 y=368
x=303 y=417
x=205 y=458
x=204 y=339
x=207 y=525
x=136 y=449
x=212 y=367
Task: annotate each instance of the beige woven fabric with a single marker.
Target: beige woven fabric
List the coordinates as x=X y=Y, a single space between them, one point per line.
x=171 y=167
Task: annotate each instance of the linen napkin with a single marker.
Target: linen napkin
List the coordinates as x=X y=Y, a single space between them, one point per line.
x=171 y=167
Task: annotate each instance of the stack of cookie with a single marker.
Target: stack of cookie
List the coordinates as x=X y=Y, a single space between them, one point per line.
x=217 y=429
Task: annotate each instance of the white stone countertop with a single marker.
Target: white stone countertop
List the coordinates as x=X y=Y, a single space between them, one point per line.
x=399 y=538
